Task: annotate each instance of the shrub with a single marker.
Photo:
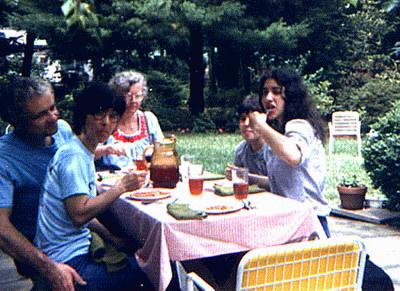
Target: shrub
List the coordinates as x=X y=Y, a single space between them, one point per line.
x=383 y=92
x=172 y=119
x=320 y=90
x=381 y=153
x=225 y=98
x=225 y=118
x=165 y=90
x=203 y=123
x=166 y=99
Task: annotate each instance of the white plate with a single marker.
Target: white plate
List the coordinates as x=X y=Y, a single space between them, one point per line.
x=148 y=194
x=222 y=207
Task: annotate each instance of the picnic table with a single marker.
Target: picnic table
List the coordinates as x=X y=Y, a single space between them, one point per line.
x=274 y=220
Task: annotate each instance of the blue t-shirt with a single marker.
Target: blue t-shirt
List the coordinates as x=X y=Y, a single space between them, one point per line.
x=22 y=171
x=254 y=161
x=71 y=172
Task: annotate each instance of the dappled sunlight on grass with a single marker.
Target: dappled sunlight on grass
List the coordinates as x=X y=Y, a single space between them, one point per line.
x=216 y=150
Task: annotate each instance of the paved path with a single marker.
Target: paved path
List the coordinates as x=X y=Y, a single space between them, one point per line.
x=382 y=243
x=9 y=278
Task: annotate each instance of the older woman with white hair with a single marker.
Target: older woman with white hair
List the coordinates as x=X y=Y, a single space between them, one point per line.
x=137 y=128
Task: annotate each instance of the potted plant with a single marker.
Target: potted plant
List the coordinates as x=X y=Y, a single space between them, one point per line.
x=352 y=194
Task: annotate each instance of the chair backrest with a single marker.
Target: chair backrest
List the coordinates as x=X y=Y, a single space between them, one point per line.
x=9 y=128
x=345 y=123
x=331 y=264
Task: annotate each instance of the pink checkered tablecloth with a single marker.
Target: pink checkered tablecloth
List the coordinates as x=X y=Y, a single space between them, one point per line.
x=274 y=221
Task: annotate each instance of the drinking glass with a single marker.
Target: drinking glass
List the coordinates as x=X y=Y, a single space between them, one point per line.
x=196 y=180
x=141 y=165
x=186 y=160
x=240 y=179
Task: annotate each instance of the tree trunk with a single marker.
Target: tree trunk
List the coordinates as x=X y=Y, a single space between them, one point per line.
x=212 y=73
x=28 y=54
x=196 y=67
x=245 y=75
x=229 y=65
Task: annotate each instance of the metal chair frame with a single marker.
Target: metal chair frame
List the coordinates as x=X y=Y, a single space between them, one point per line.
x=330 y=264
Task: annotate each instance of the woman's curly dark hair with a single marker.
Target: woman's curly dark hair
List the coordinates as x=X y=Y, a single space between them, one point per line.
x=298 y=105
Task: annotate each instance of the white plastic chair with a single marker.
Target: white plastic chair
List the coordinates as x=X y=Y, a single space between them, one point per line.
x=345 y=124
x=8 y=129
x=330 y=264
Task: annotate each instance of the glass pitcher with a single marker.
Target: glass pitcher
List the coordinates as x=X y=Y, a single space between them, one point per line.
x=164 y=167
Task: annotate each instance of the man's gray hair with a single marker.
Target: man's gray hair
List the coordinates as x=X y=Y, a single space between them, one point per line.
x=19 y=91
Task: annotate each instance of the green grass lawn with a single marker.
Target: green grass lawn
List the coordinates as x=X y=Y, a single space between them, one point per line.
x=215 y=151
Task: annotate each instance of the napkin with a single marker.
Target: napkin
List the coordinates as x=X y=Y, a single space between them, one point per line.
x=226 y=190
x=212 y=176
x=103 y=252
x=183 y=211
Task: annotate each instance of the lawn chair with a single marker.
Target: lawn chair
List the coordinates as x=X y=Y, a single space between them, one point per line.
x=345 y=124
x=330 y=264
x=8 y=129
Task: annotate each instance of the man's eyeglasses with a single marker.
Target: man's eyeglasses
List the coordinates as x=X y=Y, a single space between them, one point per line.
x=276 y=90
x=112 y=116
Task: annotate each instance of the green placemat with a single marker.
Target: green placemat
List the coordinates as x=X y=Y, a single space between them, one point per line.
x=226 y=190
x=182 y=211
x=212 y=176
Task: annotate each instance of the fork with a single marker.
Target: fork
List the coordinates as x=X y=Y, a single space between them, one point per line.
x=250 y=206
x=267 y=113
x=247 y=205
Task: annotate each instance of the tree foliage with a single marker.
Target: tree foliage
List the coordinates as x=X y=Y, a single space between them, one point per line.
x=381 y=153
x=214 y=50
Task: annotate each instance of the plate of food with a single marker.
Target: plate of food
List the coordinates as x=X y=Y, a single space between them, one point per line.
x=148 y=194
x=222 y=207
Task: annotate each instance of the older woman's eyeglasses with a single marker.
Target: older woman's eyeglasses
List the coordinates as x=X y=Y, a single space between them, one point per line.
x=112 y=116
x=137 y=96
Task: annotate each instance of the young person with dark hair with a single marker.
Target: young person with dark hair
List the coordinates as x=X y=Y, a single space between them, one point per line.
x=294 y=132
x=69 y=203
x=249 y=153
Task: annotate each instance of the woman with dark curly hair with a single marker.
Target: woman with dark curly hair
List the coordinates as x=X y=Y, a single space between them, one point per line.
x=295 y=134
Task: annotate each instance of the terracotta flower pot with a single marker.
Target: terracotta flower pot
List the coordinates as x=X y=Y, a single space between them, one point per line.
x=352 y=197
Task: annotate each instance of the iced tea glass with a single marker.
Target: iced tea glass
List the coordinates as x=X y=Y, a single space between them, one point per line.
x=196 y=180
x=141 y=165
x=186 y=160
x=240 y=179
